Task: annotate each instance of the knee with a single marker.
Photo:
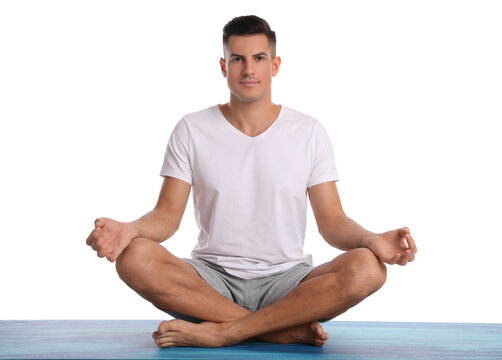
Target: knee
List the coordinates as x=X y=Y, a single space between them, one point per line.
x=368 y=270
x=134 y=255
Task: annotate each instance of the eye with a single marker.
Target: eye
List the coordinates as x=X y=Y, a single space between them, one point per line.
x=260 y=58
x=235 y=59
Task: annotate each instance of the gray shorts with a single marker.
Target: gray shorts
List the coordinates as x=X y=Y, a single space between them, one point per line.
x=251 y=294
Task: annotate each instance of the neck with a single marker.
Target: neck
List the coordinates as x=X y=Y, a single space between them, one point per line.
x=250 y=109
x=251 y=117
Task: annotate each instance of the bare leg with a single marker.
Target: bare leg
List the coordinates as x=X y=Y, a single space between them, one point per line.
x=172 y=284
x=330 y=291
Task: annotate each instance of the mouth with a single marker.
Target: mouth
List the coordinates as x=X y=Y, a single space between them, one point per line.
x=249 y=83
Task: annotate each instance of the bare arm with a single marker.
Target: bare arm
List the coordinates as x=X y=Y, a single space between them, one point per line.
x=393 y=247
x=346 y=234
x=335 y=227
x=110 y=237
x=164 y=220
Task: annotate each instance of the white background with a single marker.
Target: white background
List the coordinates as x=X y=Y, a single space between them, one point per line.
x=410 y=92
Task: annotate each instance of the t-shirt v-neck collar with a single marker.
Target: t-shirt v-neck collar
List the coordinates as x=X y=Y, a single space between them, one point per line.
x=220 y=115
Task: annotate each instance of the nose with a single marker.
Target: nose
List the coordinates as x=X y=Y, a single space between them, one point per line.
x=248 y=69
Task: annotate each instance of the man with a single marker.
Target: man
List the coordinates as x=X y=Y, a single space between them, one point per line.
x=251 y=164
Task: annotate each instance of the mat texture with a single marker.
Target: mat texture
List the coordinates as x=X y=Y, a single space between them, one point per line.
x=131 y=339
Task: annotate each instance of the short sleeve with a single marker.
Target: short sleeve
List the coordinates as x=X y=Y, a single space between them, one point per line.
x=324 y=167
x=177 y=159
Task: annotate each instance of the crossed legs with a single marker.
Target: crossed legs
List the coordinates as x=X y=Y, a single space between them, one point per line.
x=171 y=284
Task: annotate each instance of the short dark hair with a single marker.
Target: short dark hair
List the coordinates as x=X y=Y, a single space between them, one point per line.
x=250 y=25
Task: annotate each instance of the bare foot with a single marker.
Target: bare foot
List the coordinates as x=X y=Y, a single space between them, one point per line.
x=208 y=334
x=183 y=333
x=309 y=333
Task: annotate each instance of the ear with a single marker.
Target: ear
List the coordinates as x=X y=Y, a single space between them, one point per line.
x=223 y=67
x=276 y=64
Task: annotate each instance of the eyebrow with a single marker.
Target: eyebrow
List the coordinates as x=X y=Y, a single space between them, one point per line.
x=259 y=54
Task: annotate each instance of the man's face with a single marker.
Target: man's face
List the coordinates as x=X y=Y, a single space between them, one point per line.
x=249 y=67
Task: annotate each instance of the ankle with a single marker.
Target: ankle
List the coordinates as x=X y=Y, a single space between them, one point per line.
x=228 y=333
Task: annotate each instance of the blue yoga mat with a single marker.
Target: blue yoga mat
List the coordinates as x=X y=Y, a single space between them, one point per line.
x=131 y=339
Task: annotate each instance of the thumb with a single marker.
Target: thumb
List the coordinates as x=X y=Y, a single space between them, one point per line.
x=100 y=222
x=403 y=231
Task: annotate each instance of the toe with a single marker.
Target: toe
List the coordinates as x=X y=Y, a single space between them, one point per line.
x=164 y=342
x=163 y=327
x=317 y=328
x=320 y=342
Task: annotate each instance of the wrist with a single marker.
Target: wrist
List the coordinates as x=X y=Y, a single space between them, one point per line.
x=368 y=240
x=134 y=229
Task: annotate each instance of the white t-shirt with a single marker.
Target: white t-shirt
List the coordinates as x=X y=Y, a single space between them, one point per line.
x=250 y=193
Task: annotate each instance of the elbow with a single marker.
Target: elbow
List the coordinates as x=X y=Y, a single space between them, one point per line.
x=175 y=225
x=328 y=236
x=172 y=230
x=323 y=233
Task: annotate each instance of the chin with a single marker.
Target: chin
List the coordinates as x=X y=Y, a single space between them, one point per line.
x=250 y=99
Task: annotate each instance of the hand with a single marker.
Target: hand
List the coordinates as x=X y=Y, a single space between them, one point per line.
x=394 y=246
x=110 y=238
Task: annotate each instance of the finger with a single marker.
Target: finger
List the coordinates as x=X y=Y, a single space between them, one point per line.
x=92 y=236
x=413 y=252
x=403 y=260
x=103 y=252
x=99 y=244
x=403 y=231
x=96 y=239
x=408 y=254
x=411 y=243
x=95 y=246
x=89 y=239
x=392 y=260
x=110 y=257
x=103 y=249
